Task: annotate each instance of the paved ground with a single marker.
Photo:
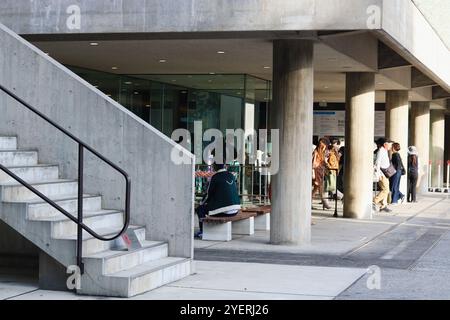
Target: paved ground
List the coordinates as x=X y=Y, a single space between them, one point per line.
x=410 y=249
x=219 y=281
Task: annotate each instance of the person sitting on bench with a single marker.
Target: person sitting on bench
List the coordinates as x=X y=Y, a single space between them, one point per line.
x=222 y=198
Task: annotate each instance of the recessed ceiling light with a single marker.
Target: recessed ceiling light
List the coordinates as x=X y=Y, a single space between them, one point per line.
x=148 y=106
x=114 y=68
x=380 y=83
x=136 y=92
x=94 y=44
x=238 y=92
x=128 y=82
x=325 y=87
x=174 y=80
x=212 y=73
x=162 y=60
x=266 y=67
x=220 y=52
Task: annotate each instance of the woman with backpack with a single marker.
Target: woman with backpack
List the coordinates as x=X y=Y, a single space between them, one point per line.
x=413 y=173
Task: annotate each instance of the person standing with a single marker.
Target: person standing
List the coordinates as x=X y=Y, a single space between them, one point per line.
x=382 y=164
x=394 y=181
x=333 y=166
x=319 y=165
x=413 y=173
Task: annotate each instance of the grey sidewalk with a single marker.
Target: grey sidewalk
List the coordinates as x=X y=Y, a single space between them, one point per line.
x=410 y=246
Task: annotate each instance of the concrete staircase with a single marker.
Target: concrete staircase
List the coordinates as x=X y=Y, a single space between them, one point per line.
x=108 y=271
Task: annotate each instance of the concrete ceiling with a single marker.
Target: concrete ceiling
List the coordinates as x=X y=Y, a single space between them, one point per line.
x=200 y=56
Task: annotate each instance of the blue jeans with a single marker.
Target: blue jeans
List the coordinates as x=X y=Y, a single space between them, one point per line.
x=395 y=186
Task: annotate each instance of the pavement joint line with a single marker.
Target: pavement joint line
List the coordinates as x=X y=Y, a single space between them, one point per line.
x=351 y=285
x=391 y=228
x=22 y=294
x=251 y=291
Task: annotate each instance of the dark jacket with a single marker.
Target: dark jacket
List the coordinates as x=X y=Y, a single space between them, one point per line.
x=398 y=163
x=222 y=193
x=413 y=169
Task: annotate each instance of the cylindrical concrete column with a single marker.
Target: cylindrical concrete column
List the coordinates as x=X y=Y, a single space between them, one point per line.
x=420 y=121
x=292 y=114
x=397 y=118
x=359 y=143
x=437 y=146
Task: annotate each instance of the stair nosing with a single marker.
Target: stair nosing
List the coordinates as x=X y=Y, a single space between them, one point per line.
x=140 y=274
x=20 y=150
x=123 y=253
x=89 y=236
x=93 y=214
x=38 y=165
x=37 y=183
x=32 y=202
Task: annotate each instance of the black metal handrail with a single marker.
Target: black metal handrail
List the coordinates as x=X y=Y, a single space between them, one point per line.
x=79 y=219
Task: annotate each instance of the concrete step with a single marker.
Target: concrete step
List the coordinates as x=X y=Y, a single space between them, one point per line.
x=142 y=278
x=8 y=143
x=13 y=192
x=38 y=209
x=93 y=219
x=33 y=173
x=92 y=245
x=12 y=158
x=111 y=261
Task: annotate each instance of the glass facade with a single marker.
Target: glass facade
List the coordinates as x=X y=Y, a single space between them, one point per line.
x=169 y=102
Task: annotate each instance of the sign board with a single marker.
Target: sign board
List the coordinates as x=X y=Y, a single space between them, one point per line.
x=332 y=123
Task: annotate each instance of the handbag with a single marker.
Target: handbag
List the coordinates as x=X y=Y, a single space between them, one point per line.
x=389 y=171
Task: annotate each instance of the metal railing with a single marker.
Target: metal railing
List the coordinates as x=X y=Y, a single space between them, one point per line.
x=79 y=219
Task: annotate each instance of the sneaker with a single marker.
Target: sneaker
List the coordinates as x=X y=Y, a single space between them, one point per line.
x=198 y=235
x=374 y=207
x=402 y=200
x=386 y=209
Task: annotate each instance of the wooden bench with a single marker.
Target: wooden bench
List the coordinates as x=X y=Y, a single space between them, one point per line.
x=262 y=219
x=222 y=228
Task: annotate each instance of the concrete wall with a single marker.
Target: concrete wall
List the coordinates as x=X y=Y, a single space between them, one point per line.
x=162 y=192
x=109 y=16
x=397 y=21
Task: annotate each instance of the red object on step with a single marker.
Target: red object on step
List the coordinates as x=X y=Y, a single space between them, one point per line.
x=127 y=240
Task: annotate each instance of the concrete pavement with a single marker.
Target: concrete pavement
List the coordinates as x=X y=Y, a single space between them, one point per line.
x=409 y=246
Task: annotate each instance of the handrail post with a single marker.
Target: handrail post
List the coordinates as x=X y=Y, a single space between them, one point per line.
x=80 y=208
